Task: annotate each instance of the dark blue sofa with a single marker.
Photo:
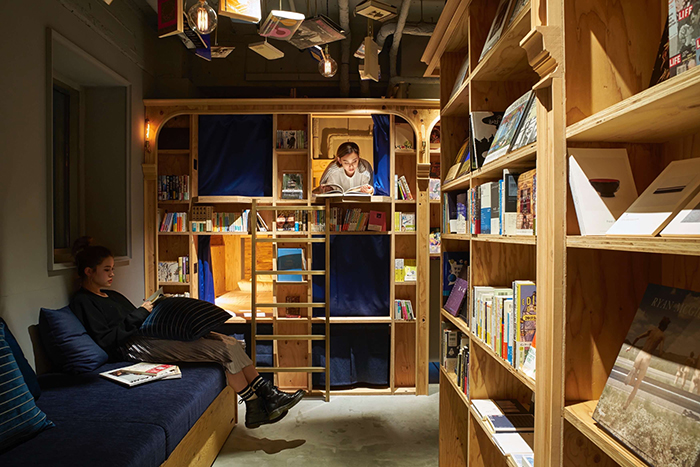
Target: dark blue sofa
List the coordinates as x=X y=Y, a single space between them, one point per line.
x=100 y=423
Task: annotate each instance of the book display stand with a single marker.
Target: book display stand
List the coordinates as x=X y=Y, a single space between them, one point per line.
x=288 y=214
x=592 y=91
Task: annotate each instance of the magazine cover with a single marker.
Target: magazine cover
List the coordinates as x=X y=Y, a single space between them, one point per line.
x=281 y=24
x=527 y=134
x=651 y=402
x=319 y=30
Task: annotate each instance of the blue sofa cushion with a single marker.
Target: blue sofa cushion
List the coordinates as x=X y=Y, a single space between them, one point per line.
x=67 y=343
x=183 y=319
x=20 y=418
x=172 y=405
x=24 y=366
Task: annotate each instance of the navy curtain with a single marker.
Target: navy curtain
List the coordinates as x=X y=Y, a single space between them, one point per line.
x=235 y=155
x=382 y=184
x=359 y=355
x=360 y=281
x=206 y=279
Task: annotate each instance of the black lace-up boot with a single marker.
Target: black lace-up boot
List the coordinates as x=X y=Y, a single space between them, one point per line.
x=256 y=415
x=277 y=402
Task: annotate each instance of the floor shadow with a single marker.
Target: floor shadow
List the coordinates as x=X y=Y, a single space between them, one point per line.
x=269 y=446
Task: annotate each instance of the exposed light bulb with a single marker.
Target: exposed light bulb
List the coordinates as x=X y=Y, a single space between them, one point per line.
x=202 y=17
x=328 y=67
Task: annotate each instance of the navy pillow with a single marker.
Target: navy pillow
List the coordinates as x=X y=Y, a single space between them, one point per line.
x=67 y=343
x=24 y=366
x=183 y=319
x=20 y=418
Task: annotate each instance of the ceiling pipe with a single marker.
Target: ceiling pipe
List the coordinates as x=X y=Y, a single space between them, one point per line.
x=344 y=16
x=412 y=29
x=398 y=33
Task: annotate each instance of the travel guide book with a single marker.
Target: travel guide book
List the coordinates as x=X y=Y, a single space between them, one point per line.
x=651 y=401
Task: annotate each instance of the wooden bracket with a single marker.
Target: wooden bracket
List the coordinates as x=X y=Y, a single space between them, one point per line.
x=423 y=170
x=544 y=52
x=149 y=172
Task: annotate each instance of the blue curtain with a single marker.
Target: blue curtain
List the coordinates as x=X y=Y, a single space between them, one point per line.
x=360 y=275
x=206 y=279
x=382 y=183
x=235 y=155
x=359 y=355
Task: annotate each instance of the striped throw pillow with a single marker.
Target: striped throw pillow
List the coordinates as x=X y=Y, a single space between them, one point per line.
x=183 y=319
x=20 y=418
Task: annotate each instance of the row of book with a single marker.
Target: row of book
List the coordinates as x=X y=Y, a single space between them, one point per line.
x=172 y=221
x=173 y=188
x=174 y=271
x=403 y=191
x=405 y=270
x=455 y=355
x=356 y=220
x=301 y=221
x=404 y=310
x=503 y=207
x=291 y=139
x=605 y=195
x=229 y=222
x=404 y=221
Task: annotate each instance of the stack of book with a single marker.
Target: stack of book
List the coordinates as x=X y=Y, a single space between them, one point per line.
x=455 y=356
x=291 y=139
x=172 y=221
x=404 y=221
x=403 y=191
x=356 y=220
x=229 y=222
x=173 y=187
x=511 y=425
x=293 y=221
x=404 y=310
x=505 y=319
x=405 y=270
x=174 y=271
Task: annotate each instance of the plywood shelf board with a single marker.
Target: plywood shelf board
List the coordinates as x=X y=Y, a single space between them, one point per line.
x=528 y=382
x=457 y=322
x=452 y=379
x=514 y=239
x=660 y=245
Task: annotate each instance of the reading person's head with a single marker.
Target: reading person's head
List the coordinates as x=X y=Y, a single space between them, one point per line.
x=95 y=263
x=348 y=157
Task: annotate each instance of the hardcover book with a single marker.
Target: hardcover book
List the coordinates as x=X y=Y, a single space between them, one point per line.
x=509 y=201
x=292 y=186
x=661 y=201
x=687 y=222
x=525 y=303
x=290 y=259
x=459 y=160
x=319 y=30
x=377 y=221
x=602 y=187
x=507 y=129
x=457 y=296
x=454 y=265
x=684 y=35
x=170 y=18
x=483 y=129
x=497 y=27
x=524 y=221
x=247 y=11
x=527 y=133
x=281 y=24
x=650 y=402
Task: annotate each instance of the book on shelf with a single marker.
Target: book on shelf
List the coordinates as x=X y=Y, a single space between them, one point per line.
x=128 y=377
x=459 y=293
x=454 y=262
x=450 y=348
x=661 y=71
x=463 y=155
x=485 y=201
x=173 y=188
x=511 y=423
x=511 y=444
x=483 y=127
x=528 y=366
x=434 y=170
x=524 y=224
x=459 y=224
x=246 y=11
x=434 y=239
x=434 y=189
x=650 y=402
x=508 y=127
x=399 y=270
x=404 y=310
x=291 y=139
x=527 y=132
x=410 y=271
x=509 y=202
x=525 y=307
x=293 y=186
x=292 y=221
x=281 y=24
x=683 y=35
x=377 y=221
x=435 y=138
x=408 y=221
x=602 y=187
x=403 y=191
x=497 y=26
x=484 y=322
x=687 y=221
x=172 y=221
x=661 y=201
x=174 y=271
x=348 y=220
x=290 y=259
x=319 y=30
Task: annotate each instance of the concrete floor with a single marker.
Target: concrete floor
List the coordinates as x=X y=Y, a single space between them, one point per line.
x=358 y=431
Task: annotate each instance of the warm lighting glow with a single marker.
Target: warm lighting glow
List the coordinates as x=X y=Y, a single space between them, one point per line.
x=327 y=67
x=202 y=17
x=148 y=130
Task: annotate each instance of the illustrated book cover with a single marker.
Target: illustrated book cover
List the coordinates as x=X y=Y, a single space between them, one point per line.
x=454 y=262
x=319 y=30
x=524 y=221
x=247 y=11
x=497 y=27
x=507 y=129
x=457 y=296
x=281 y=24
x=651 y=401
x=483 y=129
x=290 y=259
x=527 y=133
x=130 y=378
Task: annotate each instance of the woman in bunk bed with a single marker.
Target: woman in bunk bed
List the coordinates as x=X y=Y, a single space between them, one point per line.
x=113 y=322
x=347 y=173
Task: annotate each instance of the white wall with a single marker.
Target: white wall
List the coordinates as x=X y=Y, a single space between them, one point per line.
x=25 y=283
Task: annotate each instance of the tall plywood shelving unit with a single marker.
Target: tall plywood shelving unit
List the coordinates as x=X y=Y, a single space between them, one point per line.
x=408 y=367
x=590 y=65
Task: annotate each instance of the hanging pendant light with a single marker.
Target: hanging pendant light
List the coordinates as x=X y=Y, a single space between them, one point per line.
x=327 y=67
x=202 y=17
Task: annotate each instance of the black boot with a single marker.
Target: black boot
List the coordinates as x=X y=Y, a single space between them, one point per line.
x=276 y=402
x=256 y=415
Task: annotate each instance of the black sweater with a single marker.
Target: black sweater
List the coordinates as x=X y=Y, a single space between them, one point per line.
x=110 y=320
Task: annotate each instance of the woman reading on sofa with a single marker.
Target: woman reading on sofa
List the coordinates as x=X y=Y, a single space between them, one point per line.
x=113 y=322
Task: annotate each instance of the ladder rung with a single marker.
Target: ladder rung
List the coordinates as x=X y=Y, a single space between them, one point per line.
x=291 y=207
x=291 y=304
x=290 y=273
x=291 y=369
x=292 y=239
x=278 y=337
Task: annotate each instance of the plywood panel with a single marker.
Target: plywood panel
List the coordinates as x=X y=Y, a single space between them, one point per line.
x=489 y=380
x=405 y=354
x=288 y=122
x=481 y=15
x=292 y=353
x=234 y=261
x=263 y=256
x=454 y=416
x=482 y=451
x=579 y=451
x=218 y=265
x=501 y=263
x=496 y=96
x=170 y=247
x=406 y=165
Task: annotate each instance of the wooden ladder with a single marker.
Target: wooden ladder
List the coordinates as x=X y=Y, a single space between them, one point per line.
x=311 y=237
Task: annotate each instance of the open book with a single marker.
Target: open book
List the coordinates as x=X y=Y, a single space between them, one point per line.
x=142 y=373
x=332 y=190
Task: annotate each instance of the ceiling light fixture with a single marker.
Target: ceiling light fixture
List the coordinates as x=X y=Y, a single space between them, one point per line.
x=202 y=17
x=327 y=67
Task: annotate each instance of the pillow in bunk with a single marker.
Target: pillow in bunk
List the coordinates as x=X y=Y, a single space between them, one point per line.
x=183 y=319
x=20 y=418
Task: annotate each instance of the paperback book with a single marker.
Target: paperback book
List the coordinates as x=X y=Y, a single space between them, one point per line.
x=650 y=402
x=507 y=129
x=454 y=265
x=281 y=24
x=135 y=375
x=524 y=224
x=457 y=296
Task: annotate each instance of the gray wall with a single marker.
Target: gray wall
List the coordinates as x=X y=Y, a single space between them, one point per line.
x=120 y=38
